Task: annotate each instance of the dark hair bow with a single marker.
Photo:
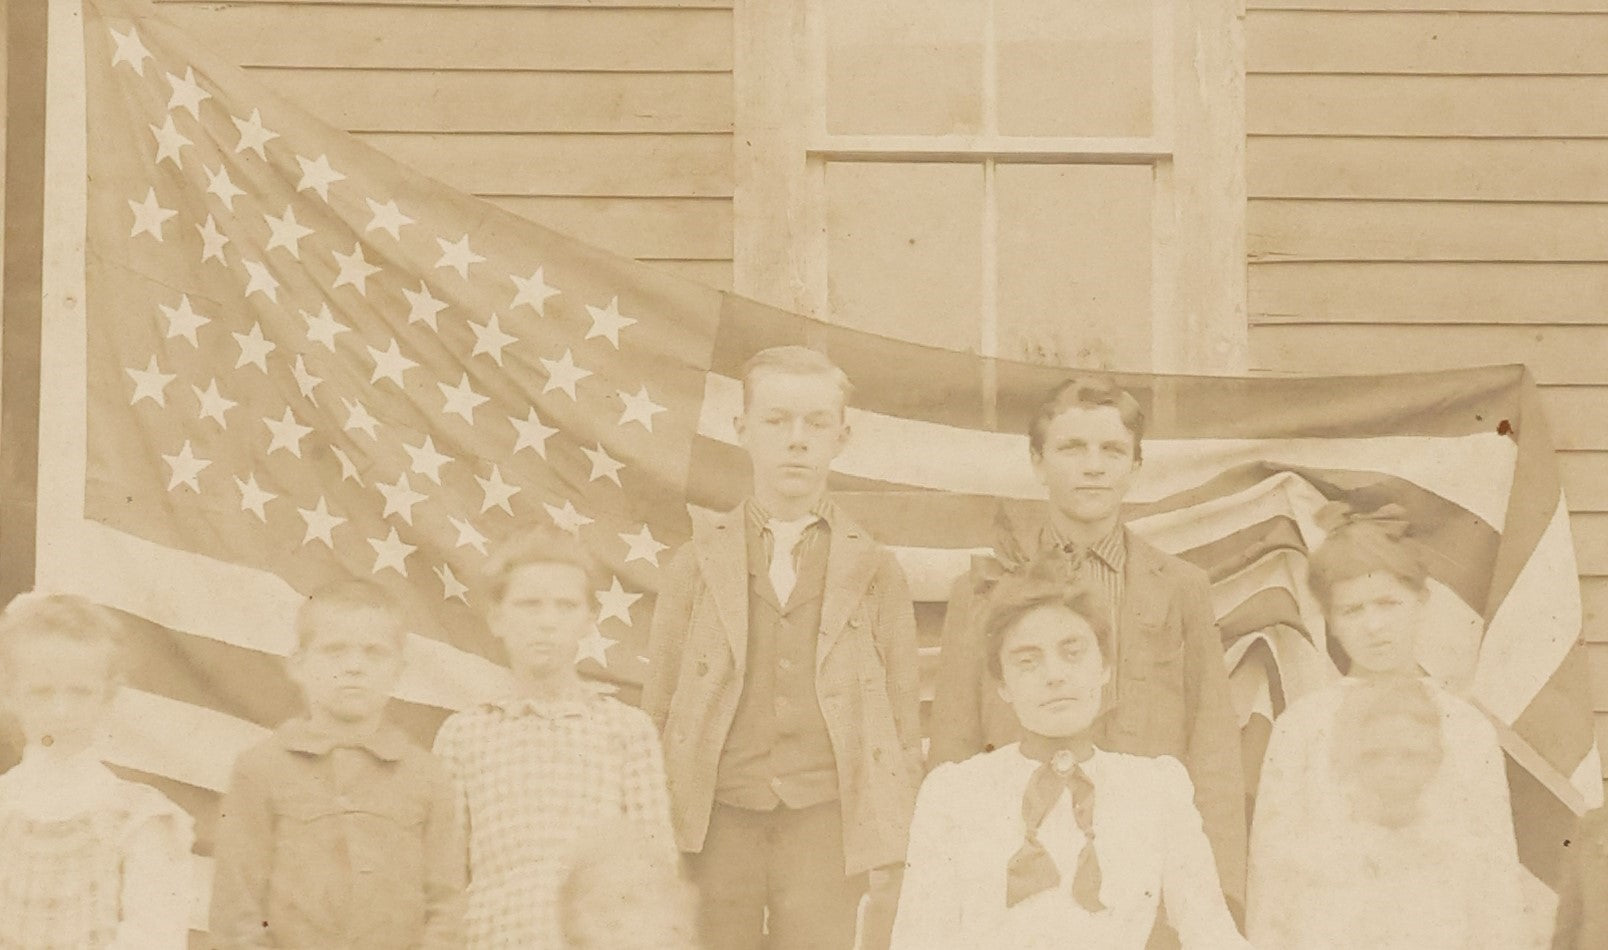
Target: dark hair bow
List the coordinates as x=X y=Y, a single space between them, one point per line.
x=1390 y=519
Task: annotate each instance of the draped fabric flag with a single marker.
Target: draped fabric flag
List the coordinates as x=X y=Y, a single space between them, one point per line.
x=275 y=357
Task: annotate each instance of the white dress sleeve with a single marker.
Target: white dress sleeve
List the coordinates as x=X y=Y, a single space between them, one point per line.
x=1276 y=853
x=157 y=892
x=1190 y=888
x=930 y=900
x=1486 y=824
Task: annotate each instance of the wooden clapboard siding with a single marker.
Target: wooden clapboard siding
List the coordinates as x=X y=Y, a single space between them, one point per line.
x=606 y=119
x=1428 y=186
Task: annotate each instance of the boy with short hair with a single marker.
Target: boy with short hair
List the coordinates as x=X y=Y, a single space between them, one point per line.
x=543 y=767
x=1169 y=682
x=1055 y=841
x=337 y=830
x=782 y=671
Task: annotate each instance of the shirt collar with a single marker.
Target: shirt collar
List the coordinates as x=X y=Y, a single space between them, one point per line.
x=1112 y=549
x=1089 y=766
x=300 y=735
x=517 y=706
x=823 y=510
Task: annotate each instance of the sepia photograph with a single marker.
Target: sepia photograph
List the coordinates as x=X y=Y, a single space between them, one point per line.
x=803 y=474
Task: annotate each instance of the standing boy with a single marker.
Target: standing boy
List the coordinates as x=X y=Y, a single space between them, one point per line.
x=338 y=831
x=544 y=767
x=1169 y=687
x=782 y=673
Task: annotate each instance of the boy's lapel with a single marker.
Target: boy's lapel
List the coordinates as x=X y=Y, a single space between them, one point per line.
x=723 y=557
x=1144 y=594
x=851 y=560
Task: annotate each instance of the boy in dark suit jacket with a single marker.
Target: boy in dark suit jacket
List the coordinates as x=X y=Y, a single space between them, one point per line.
x=1169 y=686
x=782 y=673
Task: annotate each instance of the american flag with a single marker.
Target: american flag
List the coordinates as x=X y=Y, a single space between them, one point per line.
x=275 y=357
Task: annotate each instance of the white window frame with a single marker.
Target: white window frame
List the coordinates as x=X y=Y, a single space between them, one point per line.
x=1196 y=148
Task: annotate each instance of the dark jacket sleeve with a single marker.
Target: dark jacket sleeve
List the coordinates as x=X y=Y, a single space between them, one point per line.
x=242 y=858
x=896 y=631
x=667 y=637
x=957 y=718
x=1213 y=758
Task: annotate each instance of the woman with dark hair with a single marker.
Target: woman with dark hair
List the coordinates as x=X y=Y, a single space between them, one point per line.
x=1383 y=818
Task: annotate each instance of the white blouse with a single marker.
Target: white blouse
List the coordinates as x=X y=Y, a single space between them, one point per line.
x=1148 y=837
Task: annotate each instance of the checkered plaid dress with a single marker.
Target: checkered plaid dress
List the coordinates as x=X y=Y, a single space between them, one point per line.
x=534 y=778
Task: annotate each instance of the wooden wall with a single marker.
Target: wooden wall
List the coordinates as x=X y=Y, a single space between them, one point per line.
x=610 y=119
x=1428 y=185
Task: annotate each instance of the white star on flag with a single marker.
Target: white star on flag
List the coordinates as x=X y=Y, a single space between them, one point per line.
x=643 y=546
x=150 y=383
x=320 y=523
x=422 y=305
x=567 y=517
x=616 y=602
x=130 y=50
x=400 y=498
x=562 y=373
x=354 y=270
x=187 y=93
x=212 y=241
x=305 y=381
x=461 y=400
x=183 y=320
x=498 y=492
x=213 y=405
x=426 y=460
x=221 y=186
x=468 y=536
x=533 y=292
x=490 y=339
x=532 y=434
x=390 y=364
x=357 y=417
x=348 y=467
x=253 y=498
x=149 y=216
x=603 y=465
x=607 y=322
x=317 y=175
x=388 y=218
x=639 y=408
x=392 y=552
x=457 y=255
x=595 y=647
x=450 y=585
x=186 y=468
x=286 y=232
x=254 y=348
x=322 y=327
x=168 y=142
x=260 y=280
x=252 y=134
x=287 y=433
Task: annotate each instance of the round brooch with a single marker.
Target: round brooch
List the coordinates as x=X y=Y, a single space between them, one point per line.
x=1063 y=762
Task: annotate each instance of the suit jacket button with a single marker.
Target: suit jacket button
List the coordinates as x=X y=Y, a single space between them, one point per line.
x=703 y=668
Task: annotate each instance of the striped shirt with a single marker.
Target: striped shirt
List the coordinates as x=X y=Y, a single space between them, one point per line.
x=1101 y=564
x=818 y=532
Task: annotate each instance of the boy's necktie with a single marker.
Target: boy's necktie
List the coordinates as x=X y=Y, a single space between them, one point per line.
x=785 y=536
x=1032 y=869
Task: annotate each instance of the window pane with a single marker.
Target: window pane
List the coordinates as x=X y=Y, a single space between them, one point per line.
x=1075 y=264
x=905 y=250
x=903 y=67
x=1075 y=67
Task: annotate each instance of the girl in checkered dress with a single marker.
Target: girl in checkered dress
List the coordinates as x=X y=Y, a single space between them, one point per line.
x=90 y=861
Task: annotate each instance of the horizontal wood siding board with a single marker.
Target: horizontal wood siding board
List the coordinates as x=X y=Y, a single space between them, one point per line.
x=715 y=274
x=1585 y=480
x=1555 y=354
x=499 y=4
x=1408 y=231
x=1438 y=6
x=684 y=228
x=1318 y=41
x=694 y=166
x=1347 y=167
x=1290 y=104
x=1594 y=598
x=1590 y=531
x=400 y=100
x=1577 y=416
x=1418 y=292
x=444 y=37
